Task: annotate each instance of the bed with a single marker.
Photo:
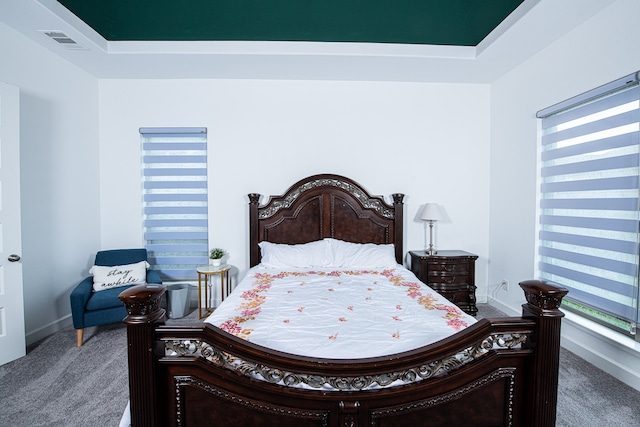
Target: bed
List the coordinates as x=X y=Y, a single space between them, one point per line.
x=490 y=372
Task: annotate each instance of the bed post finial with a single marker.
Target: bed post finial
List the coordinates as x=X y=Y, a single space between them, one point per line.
x=254 y=198
x=143 y=305
x=543 y=303
x=254 y=249
x=398 y=218
x=397 y=198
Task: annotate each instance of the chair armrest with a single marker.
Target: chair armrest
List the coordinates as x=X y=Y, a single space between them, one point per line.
x=153 y=277
x=79 y=298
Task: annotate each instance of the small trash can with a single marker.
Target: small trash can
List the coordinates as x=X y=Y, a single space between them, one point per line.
x=178 y=300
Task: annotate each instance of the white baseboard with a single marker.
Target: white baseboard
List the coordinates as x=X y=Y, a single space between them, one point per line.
x=48 y=329
x=51 y=328
x=509 y=311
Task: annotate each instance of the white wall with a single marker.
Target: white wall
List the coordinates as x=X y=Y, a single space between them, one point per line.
x=59 y=177
x=429 y=141
x=601 y=50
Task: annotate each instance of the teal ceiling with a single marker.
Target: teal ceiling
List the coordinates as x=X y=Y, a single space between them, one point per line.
x=438 y=22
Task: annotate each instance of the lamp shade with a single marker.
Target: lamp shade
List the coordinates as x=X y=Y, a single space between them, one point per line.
x=431 y=212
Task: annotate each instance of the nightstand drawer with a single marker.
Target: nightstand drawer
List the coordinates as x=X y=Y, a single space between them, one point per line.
x=449 y=267
x=449 y=279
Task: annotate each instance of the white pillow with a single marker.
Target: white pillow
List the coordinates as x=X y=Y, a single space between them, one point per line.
x=362 y=255
x=305 y=255
x=119 y=275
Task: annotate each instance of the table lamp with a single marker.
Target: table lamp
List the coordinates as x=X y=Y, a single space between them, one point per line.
x=430 y=213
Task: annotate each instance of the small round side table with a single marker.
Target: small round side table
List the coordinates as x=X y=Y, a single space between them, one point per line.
x=206 y=274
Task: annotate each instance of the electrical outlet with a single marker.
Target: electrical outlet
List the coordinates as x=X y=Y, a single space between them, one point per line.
x=504 y=285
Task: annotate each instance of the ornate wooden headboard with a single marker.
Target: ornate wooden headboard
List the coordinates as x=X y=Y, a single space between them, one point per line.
x=322 y=206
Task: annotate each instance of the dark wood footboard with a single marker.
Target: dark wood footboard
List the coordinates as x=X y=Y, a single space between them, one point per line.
x=498 y=372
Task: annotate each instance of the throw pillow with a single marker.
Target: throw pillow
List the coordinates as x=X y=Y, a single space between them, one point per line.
x=119 y=275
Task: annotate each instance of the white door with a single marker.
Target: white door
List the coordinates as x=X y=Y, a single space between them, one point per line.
x=12 y=337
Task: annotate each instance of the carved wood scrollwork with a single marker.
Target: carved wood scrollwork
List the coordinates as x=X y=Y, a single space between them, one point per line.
x=141 y=308
x=435 y=368
x=142 y=300
x=369 y=203
x=349 y=421
x=543 y=294
x=543 y=301
x=349 y=413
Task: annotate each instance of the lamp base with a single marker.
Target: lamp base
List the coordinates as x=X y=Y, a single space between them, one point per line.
x=431 y=250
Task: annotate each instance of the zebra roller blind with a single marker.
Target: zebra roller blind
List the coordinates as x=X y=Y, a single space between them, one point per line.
x=175 y=200
x=589 y=212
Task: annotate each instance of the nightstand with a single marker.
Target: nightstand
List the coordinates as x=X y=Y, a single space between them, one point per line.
x=450 y=273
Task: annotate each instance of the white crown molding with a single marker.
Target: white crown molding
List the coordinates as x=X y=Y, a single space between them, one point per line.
x=533 y=25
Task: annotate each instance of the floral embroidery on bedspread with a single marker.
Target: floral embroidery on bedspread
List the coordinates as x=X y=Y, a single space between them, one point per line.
x=253 y=299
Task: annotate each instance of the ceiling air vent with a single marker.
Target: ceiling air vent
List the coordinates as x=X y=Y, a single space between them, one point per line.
x=63 y=39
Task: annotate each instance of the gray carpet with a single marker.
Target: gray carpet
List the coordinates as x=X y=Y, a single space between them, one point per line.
x=57 y=384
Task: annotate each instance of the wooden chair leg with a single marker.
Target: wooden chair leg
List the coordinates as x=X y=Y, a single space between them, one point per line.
x=79 y=336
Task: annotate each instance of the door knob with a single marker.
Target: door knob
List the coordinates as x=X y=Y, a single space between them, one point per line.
x=14 y=258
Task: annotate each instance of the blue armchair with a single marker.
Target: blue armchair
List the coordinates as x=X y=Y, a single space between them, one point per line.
x=89 y=308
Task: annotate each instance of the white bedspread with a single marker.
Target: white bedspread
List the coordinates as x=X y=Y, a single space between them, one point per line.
x=340 y=314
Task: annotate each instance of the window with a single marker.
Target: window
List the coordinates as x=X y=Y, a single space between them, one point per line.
x=174 y=171
x=589 y=212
